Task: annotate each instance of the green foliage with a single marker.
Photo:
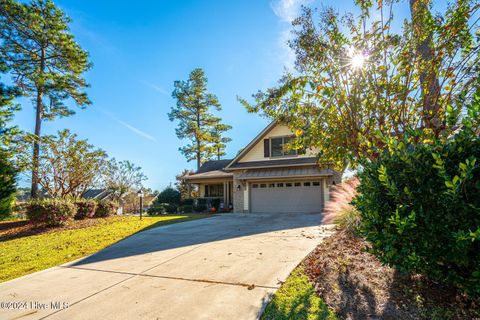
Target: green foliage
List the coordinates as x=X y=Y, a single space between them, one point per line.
x=168 y=195
x=185 y=208
x=297 y=299
x=195 y=121
x=181 y=184
x=187 y=201
x=420 y=208
x=349 y=220
x=42 y=55
x=7 y=186
x=52 y=212
x=215 y=203
x=162 y=208
x=199 y=207
x=67 y=166
x=359 y=79
x=85 y=209
x=106 y=208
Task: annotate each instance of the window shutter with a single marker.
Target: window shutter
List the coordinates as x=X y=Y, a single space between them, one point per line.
x=266 y=148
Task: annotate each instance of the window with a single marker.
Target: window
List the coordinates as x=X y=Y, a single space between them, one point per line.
x=288 y=185
x=280 y=185
x=254 y=185
x=315 y=183
x=271 y=185
x=279 y=147
x=263 y=185
x=306 y=184
x=298 y=184
x=214 y=190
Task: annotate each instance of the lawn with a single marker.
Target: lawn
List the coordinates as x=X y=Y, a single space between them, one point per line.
x=28 y=254
x=296 y=299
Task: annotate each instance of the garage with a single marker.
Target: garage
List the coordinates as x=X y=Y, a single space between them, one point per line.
x=286 y=196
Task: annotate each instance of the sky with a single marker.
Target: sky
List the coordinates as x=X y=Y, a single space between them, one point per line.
x=139 y=48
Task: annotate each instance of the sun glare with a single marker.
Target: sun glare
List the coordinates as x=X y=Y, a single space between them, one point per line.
x=358 y=60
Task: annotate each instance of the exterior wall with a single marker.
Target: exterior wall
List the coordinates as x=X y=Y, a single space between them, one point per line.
x=256 y=153
x=238 y=196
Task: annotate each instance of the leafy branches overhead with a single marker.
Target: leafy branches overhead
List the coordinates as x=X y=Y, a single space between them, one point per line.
x=67 y=166
x=196 y=123
x=357 y=80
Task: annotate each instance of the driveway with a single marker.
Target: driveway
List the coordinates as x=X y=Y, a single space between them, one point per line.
x=224 y=267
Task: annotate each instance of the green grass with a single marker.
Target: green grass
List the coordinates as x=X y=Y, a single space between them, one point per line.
x=25 y=255
x=296 y=299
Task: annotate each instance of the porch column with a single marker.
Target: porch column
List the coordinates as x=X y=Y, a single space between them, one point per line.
x=326 y=193
x=189 y=190
x=225 y=194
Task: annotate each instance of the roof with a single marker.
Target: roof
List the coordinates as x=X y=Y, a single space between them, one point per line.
x=213 y=165
x=98 y=194
x=252 y=144
x=285 y=173
x=210 y=175
x=303 y=161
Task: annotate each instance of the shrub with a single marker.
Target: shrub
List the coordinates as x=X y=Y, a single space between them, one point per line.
x=85 y=209
x=188 y=202
x=52 y=212
x=106 y=208
x=215 y=203
x=200 y=208
x=7 y=187
x=348 y=220
x=340 y=203
x=420 y=209
x=162 y=208
x=186 y=208
x=168 y=195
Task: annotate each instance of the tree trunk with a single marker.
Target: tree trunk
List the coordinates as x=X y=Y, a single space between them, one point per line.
x=38 y=127
x=432 y=117
x=199 y=156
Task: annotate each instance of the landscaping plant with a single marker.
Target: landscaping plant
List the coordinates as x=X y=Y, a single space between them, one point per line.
x=106 y=208
x=420 y=206
x=52 y=212
x=85 y=209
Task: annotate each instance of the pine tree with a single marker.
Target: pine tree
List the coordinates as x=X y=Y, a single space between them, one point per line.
x=45 y=61
x=219 y=142
x=195 y=121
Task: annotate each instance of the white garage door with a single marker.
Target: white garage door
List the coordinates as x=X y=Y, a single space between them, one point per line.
x=286 y=196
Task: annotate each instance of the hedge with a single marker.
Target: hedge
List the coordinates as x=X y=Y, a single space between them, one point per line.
x=52 y=212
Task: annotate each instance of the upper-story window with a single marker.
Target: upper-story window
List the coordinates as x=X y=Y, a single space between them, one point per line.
x=279 y=147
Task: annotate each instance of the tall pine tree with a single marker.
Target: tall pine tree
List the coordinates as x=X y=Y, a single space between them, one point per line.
x=195 y=121
x=45 y=61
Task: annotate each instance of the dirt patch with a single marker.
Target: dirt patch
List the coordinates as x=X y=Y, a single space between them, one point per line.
x=17 y=229
x=355 y=285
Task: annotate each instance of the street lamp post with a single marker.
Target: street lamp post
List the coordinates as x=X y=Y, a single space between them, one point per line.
x=140 y=195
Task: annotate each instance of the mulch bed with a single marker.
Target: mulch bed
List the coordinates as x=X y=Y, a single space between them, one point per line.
x=17 y=229
x=355 y=285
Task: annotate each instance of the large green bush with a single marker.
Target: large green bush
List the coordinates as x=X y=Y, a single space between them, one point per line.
x=52 y=212
x=7 y=186
x=85 y=209
x=168 y=195
x=420 y=208
x=106 y=208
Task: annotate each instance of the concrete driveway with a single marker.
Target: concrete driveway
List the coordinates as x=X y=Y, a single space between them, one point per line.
x=224 y=267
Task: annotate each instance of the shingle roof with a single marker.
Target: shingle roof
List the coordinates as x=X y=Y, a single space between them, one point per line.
x=210 y=175
x=275 y=163
x=213 y=165
x=98 y=194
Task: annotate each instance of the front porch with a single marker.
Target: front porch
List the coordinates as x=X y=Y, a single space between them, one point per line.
x=212 y=187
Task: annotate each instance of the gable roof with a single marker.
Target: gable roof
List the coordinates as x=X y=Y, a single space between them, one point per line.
x=252 y=143
x=213 y=165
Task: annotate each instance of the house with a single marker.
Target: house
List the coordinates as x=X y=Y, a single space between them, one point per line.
x=267 y=177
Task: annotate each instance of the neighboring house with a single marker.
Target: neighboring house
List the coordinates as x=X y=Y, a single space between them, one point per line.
x=266 y=177
x=97 y=194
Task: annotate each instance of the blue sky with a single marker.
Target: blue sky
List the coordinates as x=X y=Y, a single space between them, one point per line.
x=139 y=48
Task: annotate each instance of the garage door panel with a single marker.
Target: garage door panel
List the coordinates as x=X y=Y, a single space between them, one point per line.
x=286 y=199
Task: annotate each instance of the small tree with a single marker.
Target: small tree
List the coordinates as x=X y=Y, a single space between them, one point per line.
x=195 y=122
x=168 y=195
x=67 y=166
x=7 y=185
x=360 y=82
x=45 y=62
x=123 y=177
x=181 y=184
